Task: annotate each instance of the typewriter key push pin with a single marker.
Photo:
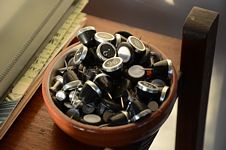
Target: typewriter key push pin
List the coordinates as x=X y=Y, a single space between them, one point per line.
x=113 y=67
x=58 y=82
x=103 y=37
x=105 y=51
x=86 y=36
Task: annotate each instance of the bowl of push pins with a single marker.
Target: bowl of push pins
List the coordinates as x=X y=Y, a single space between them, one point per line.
x=110 y=90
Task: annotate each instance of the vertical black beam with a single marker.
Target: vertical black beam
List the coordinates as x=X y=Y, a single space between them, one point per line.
x=198 y=45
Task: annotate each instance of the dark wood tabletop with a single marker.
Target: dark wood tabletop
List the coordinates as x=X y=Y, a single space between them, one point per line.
x=35 y=130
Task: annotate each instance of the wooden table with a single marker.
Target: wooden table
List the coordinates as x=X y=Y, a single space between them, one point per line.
x=34 y=129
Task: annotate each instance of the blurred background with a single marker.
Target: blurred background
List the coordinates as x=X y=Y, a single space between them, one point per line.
x=167 y=17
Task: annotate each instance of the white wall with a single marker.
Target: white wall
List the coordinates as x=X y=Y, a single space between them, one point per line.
x=167 y=17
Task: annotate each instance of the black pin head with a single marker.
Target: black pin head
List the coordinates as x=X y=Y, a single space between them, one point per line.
x=136 y=108
x=163 y=69
x=104 y=81
x=86 y=36
x=105 y=51
x=124 y=34
x=69 y=76
x=90 y=93
x=120 y=118
x=73 y=113
x=147 y=91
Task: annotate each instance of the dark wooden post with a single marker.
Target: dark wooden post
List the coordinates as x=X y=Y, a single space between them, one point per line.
x=198 y=45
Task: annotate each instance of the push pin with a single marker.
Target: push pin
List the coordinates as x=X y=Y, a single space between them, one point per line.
x=83 y=55
x=124 y=34
x=77 y=103
x=120 y=118
x=63 y=69
x=113 y=67
x=71 y=80
x=138 y=47
x=103 y=81
x=58 y=83
x=92 y=119
x=72 y=95
x=147 y=91
x=88 y=108
x=60 y=105
x=72 y=85
x=122 y=102
x=111 y=105
x=105 y=51
x=140 y=115
x=119 y=39
x=163 y=89
x=145 y=60
x=136 y=73
x=67 y=64
x=90 y=93
x=68 y=105
x=153 y=106
x=80 y=72
x=163 y=94
x=74 y=100
x=86 y=36
x=155 y=57
x=107 y=115
x=101 y=108
x=70 y=55
x=137 y=109
x=73 y=113
x=69 y=76
x=158 y=82
x=163 y=69
x=102 y=37
x=90 y=74
x=60 y=95
x=125 y=51
x=119 y=88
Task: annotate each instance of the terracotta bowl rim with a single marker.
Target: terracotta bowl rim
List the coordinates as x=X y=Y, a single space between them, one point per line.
x=106 y=130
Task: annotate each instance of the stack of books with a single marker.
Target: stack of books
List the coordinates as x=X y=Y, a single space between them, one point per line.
x=32 y=34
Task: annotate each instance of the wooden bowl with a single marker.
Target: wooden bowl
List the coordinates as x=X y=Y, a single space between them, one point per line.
x=116 y=136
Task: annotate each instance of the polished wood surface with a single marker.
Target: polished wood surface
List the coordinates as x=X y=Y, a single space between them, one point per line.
x=198 y=46
x=34 y=129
